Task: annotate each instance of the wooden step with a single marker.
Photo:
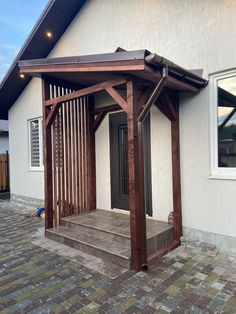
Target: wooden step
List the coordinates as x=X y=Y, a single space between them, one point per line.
x=98 y=228
x=113 y=226
x=112 y=251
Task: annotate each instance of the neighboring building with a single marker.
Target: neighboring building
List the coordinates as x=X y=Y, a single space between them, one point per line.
x=194 y=34
x=4 y=142
x=4 y=137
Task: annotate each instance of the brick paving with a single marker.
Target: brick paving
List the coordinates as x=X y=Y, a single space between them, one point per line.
x=36 y=280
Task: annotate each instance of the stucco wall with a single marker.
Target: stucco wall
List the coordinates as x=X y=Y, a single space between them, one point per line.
x=194 y=34
x=28 y=106
x=161 y=165
x=4 y=144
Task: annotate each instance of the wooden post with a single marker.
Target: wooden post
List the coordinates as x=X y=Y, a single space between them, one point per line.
x=176 y=173
x=91 y=179
x=48 y=179
x=136 y=183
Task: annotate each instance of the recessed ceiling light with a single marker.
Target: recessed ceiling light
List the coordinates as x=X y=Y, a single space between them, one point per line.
x=49 y=34
x=22 y=76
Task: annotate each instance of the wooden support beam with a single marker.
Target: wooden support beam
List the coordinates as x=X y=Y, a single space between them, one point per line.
x=136 y=183
x=56 y=102
x=101 y=113
x=176 y=173
x=107 y=109
x=109 y=66
x=91 y=164
x=118 y=98
x=86 y=91
x=48 y=178
x=143 y=97
x=156 y=92
x=165 y=104
x=98 y=120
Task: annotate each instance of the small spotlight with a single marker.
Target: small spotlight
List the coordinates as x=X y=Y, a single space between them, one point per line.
x=49 y=35
x=22 y=76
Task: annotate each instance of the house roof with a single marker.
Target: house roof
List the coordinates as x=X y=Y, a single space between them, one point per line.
x=92 y=69
x=55 y=18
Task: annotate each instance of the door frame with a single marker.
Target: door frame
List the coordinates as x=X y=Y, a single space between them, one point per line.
x=146 y=159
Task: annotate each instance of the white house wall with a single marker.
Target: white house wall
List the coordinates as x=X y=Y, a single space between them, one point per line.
x=161 y=165
x=193 y=34
x=26 y=185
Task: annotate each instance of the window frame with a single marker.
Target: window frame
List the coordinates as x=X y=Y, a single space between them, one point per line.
x=227 y=173
x=41 y=147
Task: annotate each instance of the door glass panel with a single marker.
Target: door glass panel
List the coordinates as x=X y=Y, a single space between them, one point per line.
x=123 y=160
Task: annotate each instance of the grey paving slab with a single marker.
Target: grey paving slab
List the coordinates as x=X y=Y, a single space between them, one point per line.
x=39 y=276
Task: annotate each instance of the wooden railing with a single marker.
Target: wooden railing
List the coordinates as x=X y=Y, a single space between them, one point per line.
x=4 y=172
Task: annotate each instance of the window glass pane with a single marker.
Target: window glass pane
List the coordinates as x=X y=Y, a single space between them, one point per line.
x=227 y=122
x=34 y=143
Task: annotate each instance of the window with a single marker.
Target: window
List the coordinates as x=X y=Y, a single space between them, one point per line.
x=223 y=118
x=36 y=144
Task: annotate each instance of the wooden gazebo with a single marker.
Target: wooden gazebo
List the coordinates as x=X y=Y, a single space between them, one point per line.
x=135 y=80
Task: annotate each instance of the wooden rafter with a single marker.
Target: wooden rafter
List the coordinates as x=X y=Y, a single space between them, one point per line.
x=56 y=102
x=165 y=104
x=117 y=97
x=98 y=120
x=110 y=108
x=101 y=113
x=86 y=91
x=119 y=66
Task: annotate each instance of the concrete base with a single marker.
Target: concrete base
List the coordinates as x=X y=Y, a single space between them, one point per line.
x=25 y=200
x=222 y=242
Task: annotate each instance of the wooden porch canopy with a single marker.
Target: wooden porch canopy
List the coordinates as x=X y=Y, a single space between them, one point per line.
x=145 y=78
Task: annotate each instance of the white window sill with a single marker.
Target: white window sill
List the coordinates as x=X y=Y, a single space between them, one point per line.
x=222 y=176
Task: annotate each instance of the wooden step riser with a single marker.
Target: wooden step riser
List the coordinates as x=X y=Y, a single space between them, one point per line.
x=153 y=244
x=100 y=234
x=118 y=260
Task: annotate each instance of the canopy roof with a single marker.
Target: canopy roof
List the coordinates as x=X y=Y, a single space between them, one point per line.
x=92 y=69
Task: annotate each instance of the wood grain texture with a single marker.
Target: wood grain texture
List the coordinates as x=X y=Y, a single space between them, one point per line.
x=48 y=180
x=136 y=183
x=177 y=206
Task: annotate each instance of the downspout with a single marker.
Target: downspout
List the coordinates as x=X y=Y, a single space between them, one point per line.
x=156 y=92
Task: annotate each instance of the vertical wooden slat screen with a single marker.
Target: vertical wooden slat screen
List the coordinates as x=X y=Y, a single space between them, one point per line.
x=69 y=156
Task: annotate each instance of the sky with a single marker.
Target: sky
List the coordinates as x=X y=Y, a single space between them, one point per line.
x=17 y=18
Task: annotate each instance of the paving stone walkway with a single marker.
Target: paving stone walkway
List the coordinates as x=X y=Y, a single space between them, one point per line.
x=37 y=280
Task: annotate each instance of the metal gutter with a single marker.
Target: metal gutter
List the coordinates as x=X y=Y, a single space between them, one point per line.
x=157 y=61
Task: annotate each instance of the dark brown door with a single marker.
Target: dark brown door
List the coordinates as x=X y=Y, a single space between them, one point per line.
x=119 y=162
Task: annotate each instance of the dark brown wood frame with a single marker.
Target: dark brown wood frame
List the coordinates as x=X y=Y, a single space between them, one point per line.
x=136 y=106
